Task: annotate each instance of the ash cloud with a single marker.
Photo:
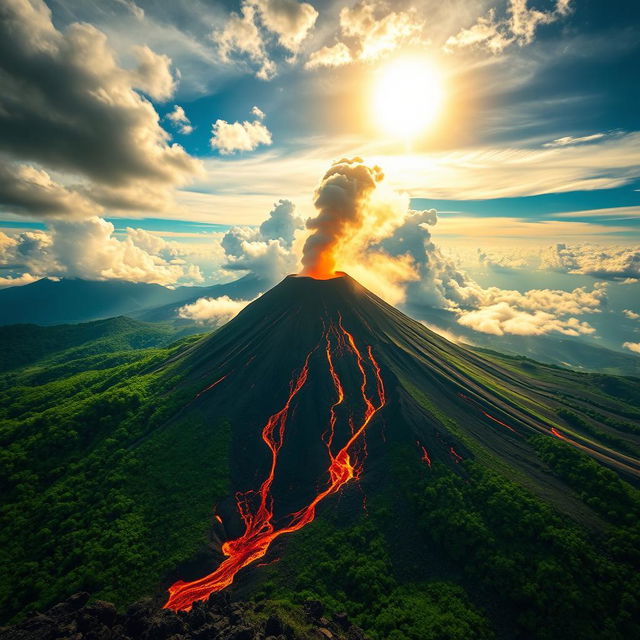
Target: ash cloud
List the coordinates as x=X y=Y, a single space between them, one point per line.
x=341 y=200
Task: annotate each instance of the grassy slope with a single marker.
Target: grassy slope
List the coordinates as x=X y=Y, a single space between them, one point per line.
x=89 y=502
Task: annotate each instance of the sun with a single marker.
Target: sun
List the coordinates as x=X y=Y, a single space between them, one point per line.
x=407 y=97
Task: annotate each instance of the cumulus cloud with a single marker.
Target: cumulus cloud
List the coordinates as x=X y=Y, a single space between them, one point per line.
x=375 y=30
x=632 y=315
x=18 y=281
x=504 y=261
x=610 y=262
x=268 y=251
x=632 y=346
x=334 y=56
x=502 y=318
x=368 y=30
x=248 y=33
x=215 y=311
x=282 y=223
x=229 y=137
x=518 y=27
x=89 y=249
x=290 y=20
x=534 y=312
x=241 y=35
x=179 y=120
x=92 y=121
x=28 y=190
x=153 y=74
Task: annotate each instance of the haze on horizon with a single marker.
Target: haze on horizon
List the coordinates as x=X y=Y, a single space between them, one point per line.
x=187 y=144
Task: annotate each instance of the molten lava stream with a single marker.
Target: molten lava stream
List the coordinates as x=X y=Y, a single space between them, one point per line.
x=260 y=530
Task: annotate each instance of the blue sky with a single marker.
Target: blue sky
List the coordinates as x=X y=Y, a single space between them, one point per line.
x=134 y=135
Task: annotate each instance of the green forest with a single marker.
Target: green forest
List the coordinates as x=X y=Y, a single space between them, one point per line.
x=107 y=489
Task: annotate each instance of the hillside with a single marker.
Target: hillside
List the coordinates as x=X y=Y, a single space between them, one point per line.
x=23 y=344
x=420 y=486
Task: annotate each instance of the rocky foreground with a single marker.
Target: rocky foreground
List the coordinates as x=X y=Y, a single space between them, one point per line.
x=217 y=619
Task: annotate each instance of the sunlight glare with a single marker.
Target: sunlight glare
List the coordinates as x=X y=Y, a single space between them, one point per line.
x=407 y=97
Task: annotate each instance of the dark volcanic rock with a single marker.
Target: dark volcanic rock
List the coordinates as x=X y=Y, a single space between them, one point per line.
x=217 y=619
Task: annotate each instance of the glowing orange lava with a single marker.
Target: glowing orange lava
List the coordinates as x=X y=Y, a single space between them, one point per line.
x=425 y=454
x=321 y=274
x=345 y=465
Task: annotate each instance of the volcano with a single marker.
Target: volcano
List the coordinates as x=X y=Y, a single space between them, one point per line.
x=320 y=378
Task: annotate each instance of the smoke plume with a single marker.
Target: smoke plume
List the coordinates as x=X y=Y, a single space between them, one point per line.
x=341 y=200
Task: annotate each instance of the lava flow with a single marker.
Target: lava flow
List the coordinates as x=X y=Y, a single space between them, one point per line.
x=344 y=465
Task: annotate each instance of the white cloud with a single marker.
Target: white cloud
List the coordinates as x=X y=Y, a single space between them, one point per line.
x=137 y=11
x=504 y=261
x=632 y=346
x=496 y=172
x=241 y=35
x=290 y=20
x=249 y=33
x=376 y=30
x=282 y=223
x=268 y=251
x=215 y=311
x=611 y=262
x=500 y=318
x=570 y=140
x=486 y=32
x=248 y=183
x=334 y=56
x=258 y=113
x=229 y=137
x=519 y=27
x=179 y=120
x=578 y=301
x=18 y=281
x=89 y=249
x=368 y=30
x=153 y=73
x=632 y=315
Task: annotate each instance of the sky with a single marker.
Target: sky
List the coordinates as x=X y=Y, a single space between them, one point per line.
x=187 y=142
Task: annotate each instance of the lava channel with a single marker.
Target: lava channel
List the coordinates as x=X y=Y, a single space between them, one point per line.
x=344 y=465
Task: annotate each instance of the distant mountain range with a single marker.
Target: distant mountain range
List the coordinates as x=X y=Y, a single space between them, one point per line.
x=69 y=301
x=48 y=302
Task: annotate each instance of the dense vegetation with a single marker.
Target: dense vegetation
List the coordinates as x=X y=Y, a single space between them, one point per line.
x=530 y=573
x=97 y=493
x=107 y=487
x=351 y=569
x=24 y=344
